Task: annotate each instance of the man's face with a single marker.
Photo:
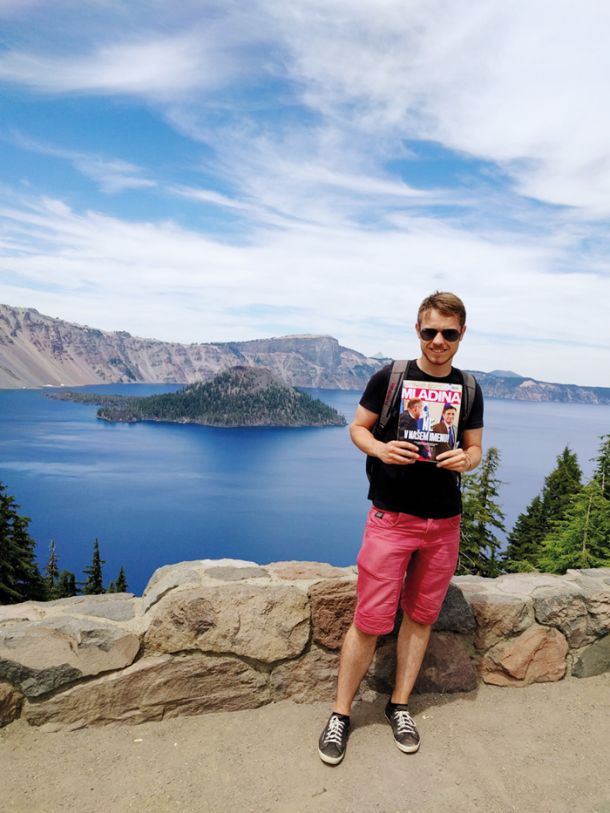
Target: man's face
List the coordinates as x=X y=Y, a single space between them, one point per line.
x=416 y=409
x=438 y=351
x=449 y=416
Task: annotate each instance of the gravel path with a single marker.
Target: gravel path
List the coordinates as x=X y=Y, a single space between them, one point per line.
x=536 y=749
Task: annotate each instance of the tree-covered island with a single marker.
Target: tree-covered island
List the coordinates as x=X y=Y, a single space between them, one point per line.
x=240 y=396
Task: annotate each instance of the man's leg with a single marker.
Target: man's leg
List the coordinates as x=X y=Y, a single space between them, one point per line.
x=411 y=646
x=424 y=590
x=382 y=563
x=425 y=587
x=410 y=650
x=356 y=656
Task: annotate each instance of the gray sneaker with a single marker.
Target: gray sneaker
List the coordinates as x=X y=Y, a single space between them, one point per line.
x=333 y=740
x=403 y=726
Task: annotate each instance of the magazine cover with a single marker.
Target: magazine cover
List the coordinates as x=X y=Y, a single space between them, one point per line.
x=429 y=415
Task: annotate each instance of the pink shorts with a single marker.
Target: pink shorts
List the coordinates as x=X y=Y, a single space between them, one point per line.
x=407 y=558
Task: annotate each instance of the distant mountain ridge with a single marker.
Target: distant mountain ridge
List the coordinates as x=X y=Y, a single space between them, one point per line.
x=505 y=374
x=38 y=350
x=519 y=388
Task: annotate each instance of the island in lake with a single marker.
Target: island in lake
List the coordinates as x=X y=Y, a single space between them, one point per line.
x=241 y=396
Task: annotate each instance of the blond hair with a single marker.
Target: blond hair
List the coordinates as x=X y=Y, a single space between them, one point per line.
x=446 y=303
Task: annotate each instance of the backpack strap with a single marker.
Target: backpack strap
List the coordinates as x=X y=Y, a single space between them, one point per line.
x=397 y=374
x=469 y=387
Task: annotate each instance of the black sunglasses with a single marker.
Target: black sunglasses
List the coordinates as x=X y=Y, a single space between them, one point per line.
x=450 y=334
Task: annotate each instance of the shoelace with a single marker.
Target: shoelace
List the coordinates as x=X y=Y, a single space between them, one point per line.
x=404 y=722
x=334 y=732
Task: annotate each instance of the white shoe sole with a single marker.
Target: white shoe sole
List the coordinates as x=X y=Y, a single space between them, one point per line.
x=407 y=749
x=330 y=760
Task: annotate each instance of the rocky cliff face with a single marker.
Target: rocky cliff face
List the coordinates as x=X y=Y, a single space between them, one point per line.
x=516 y=388
x=37 y=350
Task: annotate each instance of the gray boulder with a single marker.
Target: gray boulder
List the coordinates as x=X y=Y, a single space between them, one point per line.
x=265 y=622
x=40 y=656
x=155 y=689
x=593 y=659
x=456 y=614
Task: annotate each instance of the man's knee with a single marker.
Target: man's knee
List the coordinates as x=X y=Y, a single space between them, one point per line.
x=419 y=619
x=357 y=639
x=363 y=634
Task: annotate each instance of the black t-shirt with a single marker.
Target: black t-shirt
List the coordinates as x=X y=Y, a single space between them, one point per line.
x=420 y=488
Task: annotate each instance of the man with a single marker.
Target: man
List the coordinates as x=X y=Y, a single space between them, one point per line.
x=446 y=427
x=411 y=418
x=411 y=539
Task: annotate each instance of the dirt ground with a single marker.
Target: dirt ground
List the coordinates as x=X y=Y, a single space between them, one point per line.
x=536 y=749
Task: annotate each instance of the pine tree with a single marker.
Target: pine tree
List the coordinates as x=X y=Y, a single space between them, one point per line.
x=52 y=571
x=602 y=470
x=94 y=584
x=525 y=541
x=20 y=578
x=121 y=582
x=66 y=585
x=582 y=537
x=481 y=518
x=559 y=487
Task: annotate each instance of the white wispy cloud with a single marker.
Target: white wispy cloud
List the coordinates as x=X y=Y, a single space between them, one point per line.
x=111 y=174
x=156 y=66
x=163 y=280
x=519 y=83
x=210 y=196
x=312 y=175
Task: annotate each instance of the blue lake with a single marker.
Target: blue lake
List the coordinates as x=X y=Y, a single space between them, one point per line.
x=160 y=493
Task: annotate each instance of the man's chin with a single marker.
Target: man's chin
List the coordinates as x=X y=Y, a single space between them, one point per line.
x=439 y=359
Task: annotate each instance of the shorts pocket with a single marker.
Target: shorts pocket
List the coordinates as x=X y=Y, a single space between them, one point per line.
x=379 y=518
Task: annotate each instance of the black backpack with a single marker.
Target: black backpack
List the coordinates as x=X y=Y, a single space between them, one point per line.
x=397 y=373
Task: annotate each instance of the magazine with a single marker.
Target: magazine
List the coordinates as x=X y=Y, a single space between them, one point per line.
x=429 y=415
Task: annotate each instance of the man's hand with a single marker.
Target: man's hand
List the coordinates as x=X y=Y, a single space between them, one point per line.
x=397 y=452
x=454 y=460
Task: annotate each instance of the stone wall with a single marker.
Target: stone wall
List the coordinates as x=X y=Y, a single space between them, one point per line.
x=226 y=634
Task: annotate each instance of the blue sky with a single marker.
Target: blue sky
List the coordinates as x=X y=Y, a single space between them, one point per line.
x=210 y=171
